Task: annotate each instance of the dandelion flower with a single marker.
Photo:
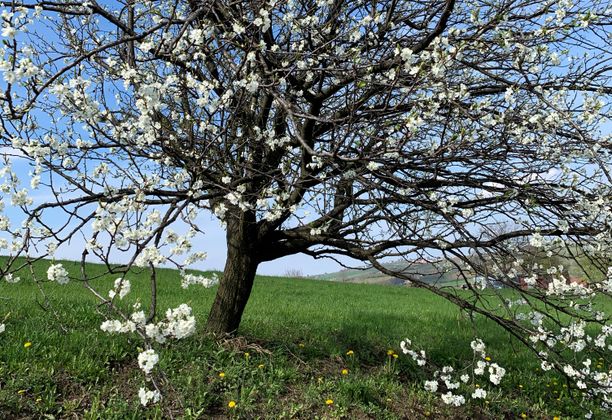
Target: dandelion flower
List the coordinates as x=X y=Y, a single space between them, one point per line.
x=488 y=359
x=350 y=353
x=261 y=366
x=247 y=354
x=27 y=344
x=523 y=415
x=557 y=418
x=231 y=404
x=390 y=352
x=221 y=374
x=329 y=401
x=395 y=356
x=345 y=371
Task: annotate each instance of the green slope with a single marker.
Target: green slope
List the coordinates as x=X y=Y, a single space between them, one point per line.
x=297 y=333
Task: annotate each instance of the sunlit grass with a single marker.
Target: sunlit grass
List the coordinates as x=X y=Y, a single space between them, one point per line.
x=308 y=342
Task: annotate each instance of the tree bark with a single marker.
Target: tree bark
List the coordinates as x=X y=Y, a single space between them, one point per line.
x=238 y=276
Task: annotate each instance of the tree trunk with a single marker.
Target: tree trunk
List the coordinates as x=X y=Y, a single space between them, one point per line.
x=238 y=276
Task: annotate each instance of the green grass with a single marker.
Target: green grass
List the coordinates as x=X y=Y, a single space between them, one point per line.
x=299 y=330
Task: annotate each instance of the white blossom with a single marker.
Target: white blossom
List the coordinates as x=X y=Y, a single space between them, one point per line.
x=496 y=373
x=452 y=399
x=10 y=278
x=479 y=393
x=431 y=386
x=207 y=282
x=147 y=360
x=58 y=274
x=147 y=396
x=8 y=32
x=122 y=288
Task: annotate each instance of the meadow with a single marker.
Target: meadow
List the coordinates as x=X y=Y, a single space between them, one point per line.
x=305 y=349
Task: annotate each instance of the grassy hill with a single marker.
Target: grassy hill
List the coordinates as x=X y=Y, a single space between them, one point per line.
x=297 y=334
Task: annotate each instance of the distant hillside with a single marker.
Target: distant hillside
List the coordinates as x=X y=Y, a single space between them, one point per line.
x=438 y=273
x=443 y=273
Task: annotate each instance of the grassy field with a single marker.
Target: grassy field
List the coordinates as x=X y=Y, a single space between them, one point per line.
x=287 y=360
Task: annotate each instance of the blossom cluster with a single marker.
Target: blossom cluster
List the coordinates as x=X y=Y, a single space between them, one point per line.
x=148 y=396
x=178 y=324
x=189 y=279
x=147 y=360
x=453 y=381
x=418 y=357
x=121 y=288
x=58 y=274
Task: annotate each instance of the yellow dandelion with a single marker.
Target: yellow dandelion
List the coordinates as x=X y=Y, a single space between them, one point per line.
x=38 y=399
x=350 y=353
x=221 y=374
x=261 y=366
x=301 y=345
x=345 y=371
x=523 y=415
x=427 y=414
x=557 y=418
x=390 y=352
x=329 y=401
x=488 y=359
x=27 y=344
x=231 y=404
x=247 y=354
x=521 y=386
x=21 y=391
x=395 y=356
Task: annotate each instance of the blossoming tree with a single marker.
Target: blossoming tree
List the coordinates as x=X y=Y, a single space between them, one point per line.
x=373 y=130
